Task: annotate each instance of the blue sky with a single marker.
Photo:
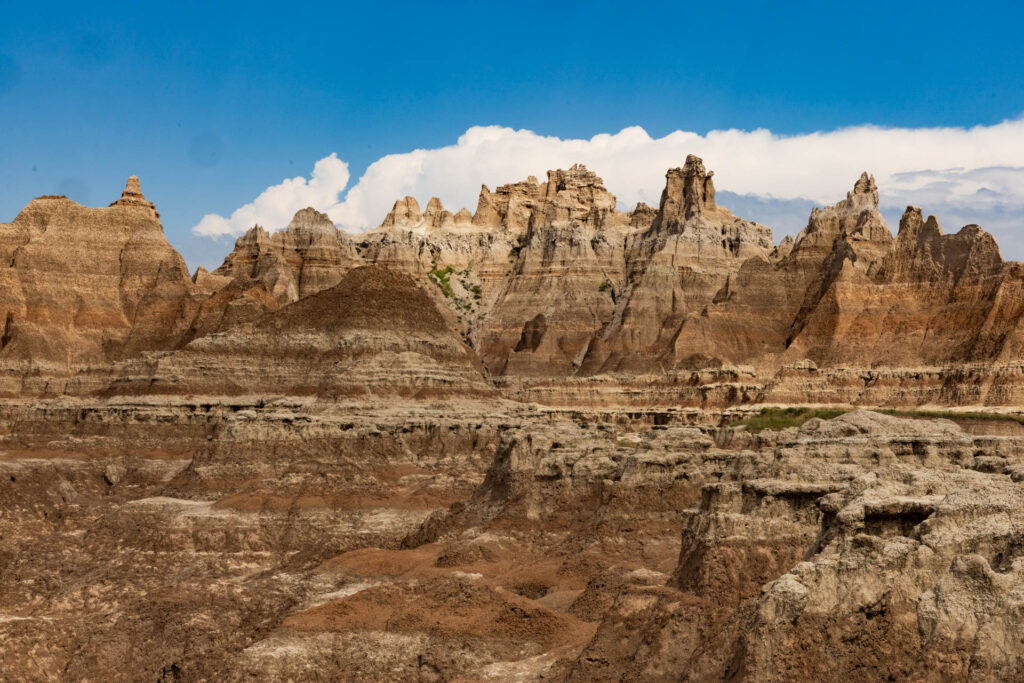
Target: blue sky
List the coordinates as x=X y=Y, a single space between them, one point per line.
x=210 y=105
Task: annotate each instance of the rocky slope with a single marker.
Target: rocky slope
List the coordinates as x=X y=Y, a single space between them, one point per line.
x=374 y=332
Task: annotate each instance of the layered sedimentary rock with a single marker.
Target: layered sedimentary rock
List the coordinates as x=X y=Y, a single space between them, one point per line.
x=82 y=287
x=857 y=546
x=299 y=463
x=686 y=261
x=567 y=269
x=562 y=297
x=308 y=256
x=375 y=332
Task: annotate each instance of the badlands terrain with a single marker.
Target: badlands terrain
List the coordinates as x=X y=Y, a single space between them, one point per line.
x=546 y=440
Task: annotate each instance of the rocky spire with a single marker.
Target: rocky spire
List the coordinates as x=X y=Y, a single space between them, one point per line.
x=689 y=191
x=405 y=212
x=922 y=252
x=436 y=215
x=855 y=219
x=863 y=196
x=132 y=195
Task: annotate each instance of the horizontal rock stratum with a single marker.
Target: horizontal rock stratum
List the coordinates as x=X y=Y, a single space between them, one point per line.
x=562 y=298
x=546 y=440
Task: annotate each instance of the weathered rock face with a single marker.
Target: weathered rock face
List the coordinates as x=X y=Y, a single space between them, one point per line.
x=550 y=281
x=308 y=256
x=853 y=547
x=563 y=298
x=373 y=333
x=561 y=291
x=81 y=287
x=297 y=463
x=685 y=261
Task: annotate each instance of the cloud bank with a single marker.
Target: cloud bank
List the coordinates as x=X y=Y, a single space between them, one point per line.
x=969 y=174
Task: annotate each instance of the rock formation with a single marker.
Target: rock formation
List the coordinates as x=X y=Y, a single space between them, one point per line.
x=82 y=287
x=375 y=332
x=306 y=257
x=528 y=443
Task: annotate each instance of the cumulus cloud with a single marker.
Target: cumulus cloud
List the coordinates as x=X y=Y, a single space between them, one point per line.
x=276 y=205
x=976 y=169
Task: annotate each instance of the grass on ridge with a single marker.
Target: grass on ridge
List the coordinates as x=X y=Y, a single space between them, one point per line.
x=776 y=419
x=951 y=415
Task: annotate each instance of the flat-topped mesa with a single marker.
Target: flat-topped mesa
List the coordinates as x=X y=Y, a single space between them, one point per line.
x=132 y=196
x=922 y=253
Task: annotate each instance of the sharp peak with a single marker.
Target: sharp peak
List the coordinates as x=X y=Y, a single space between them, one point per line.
x=865 y=184
x=693 y=166
x=310 y=217
x=132 y=195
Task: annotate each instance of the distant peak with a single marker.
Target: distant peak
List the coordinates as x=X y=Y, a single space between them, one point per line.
x=864 y=195
x=132 y=195
x=309 y=218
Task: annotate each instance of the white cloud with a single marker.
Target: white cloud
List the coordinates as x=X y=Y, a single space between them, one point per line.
x=276 y=205
x=977 y=169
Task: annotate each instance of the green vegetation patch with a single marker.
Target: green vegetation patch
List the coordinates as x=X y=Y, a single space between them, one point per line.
x=441 y=278
x=604 y=285
x=776 y=419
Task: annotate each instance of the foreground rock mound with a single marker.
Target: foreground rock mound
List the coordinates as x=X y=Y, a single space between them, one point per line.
x=862 y=546
x=375 y=332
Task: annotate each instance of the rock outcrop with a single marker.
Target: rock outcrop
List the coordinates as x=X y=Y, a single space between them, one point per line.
x=308 y=256
x=82 y=287
x=308 y=460
x=853 y=545
x=374 y=333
